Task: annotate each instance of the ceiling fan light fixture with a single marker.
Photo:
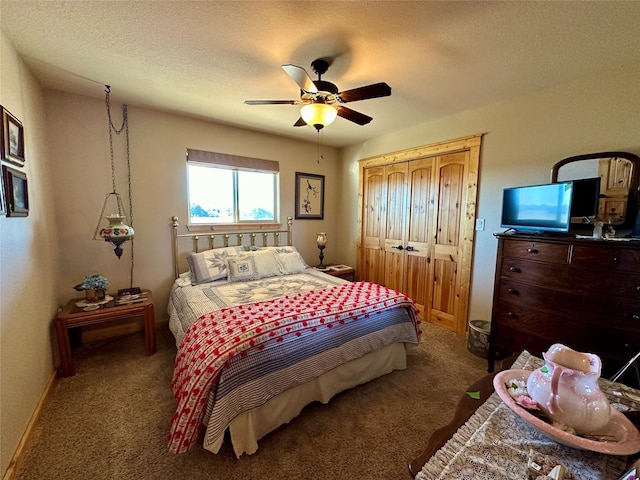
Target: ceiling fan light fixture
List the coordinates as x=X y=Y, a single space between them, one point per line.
x=318 y=114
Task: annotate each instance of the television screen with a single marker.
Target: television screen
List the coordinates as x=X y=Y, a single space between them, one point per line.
x=586 y=197
x=538 y=208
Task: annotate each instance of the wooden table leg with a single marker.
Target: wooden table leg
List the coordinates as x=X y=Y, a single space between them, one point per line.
x=150 y=329
x=66 y=368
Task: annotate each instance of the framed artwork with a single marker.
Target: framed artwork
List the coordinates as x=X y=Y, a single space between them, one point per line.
x=12 y=144
x=2 y=201
x=309 y=196
x=16 y=192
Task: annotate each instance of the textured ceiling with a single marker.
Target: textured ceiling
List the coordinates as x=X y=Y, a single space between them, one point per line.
x=204 y=58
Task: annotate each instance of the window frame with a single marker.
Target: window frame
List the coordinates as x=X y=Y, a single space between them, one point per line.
x=234 y=164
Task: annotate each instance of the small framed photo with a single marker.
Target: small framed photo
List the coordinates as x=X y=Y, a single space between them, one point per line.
x=16 y=192
x=12 y=141
x=3 y=210
x=309 y=196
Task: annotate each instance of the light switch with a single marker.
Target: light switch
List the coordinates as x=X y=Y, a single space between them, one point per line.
x=479 y=224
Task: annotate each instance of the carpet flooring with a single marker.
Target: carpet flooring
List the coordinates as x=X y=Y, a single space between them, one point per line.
x=110 y=420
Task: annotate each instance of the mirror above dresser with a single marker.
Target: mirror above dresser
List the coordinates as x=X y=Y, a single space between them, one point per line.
x=619 y=174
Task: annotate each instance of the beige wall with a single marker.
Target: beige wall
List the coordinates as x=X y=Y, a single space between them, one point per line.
x=79 y=150
x=523 y=138
x=28 y=264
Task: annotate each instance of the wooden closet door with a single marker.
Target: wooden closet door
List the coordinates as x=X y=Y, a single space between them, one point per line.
x=444 y=279
x=423 y=200
x=419 y=237
x=395 y=237
x=373 y=225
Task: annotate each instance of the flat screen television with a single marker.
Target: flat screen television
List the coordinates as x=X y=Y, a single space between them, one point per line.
x=586 y=197
x=537 y=208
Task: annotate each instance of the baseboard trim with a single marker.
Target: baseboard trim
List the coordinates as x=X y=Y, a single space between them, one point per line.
x=18 y=455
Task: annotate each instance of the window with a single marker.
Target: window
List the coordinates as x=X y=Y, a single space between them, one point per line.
x=229 y=189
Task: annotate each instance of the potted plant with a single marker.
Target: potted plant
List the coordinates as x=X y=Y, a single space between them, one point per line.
x=94 y=287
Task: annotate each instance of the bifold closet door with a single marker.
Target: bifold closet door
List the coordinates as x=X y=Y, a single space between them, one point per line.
x=384 y=213
x=445 y=279
x=419 y=227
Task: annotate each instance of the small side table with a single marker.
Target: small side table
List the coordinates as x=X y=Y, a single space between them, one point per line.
x=344 y=271
x=72 y=316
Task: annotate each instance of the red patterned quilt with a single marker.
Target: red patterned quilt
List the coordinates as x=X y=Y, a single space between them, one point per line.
x=215 y=338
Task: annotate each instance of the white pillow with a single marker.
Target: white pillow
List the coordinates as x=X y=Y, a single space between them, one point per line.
x=241 y=268
x=291 y=262
x=209 y=265
x=265 y=262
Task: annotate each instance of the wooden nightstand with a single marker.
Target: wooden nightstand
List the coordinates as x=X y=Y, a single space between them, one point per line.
x=72 y=316
x=344 y=271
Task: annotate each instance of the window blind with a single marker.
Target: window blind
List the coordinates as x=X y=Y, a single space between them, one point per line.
x=225 y=159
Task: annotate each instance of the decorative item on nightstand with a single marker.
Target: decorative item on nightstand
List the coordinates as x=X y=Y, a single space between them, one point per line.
x=321 y=240
x=94 y=287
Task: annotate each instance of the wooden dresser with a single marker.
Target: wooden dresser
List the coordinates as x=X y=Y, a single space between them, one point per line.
x=581 y=292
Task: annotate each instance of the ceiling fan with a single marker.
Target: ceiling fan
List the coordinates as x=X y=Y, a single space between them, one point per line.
x=322 y=100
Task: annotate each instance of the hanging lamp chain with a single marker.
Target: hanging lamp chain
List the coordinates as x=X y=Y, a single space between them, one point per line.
x=123 y=128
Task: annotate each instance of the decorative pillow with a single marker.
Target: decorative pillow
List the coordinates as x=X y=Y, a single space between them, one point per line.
x=209 y=265
x=291 y=262
x=266 y=263
x=241 y=268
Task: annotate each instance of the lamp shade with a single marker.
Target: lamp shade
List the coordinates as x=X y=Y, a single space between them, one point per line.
x=321 y=240
x=116 y=232
x=318 y=114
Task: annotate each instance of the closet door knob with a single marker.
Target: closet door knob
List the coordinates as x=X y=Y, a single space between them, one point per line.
x=409 y=248
x=398 y=247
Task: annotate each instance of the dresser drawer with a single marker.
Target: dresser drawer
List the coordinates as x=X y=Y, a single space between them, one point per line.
x=513 y=341
x=604 y=257
x=595 y=338
x=612 y=355
x=589 y=309
x=577 y=280
x=539 y=251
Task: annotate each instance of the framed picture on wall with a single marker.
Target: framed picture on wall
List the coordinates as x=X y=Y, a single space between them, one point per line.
x=12 y=141
x=16 y=192
x=309 y=196
x=3 y=209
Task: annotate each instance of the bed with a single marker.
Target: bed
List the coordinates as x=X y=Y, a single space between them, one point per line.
x=260 y=334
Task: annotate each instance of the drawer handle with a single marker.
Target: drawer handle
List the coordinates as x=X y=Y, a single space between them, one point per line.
x=614 y=259
x=532 y=250
x=513 y=268
x=512 y=315
x=512 y=291
x=635 y=316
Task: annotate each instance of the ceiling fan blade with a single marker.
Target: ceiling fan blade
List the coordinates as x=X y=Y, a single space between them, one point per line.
x=352 y=115
x=300 y=76
x=300 y=123
x=271 y=102
x=362 y=93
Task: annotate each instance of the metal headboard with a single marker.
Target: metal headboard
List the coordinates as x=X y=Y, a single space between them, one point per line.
x=197 y=239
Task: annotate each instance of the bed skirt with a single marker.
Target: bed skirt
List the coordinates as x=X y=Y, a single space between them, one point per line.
x=249 y=427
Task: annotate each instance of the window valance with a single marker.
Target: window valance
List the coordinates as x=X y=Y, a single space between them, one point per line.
x=227 y=160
